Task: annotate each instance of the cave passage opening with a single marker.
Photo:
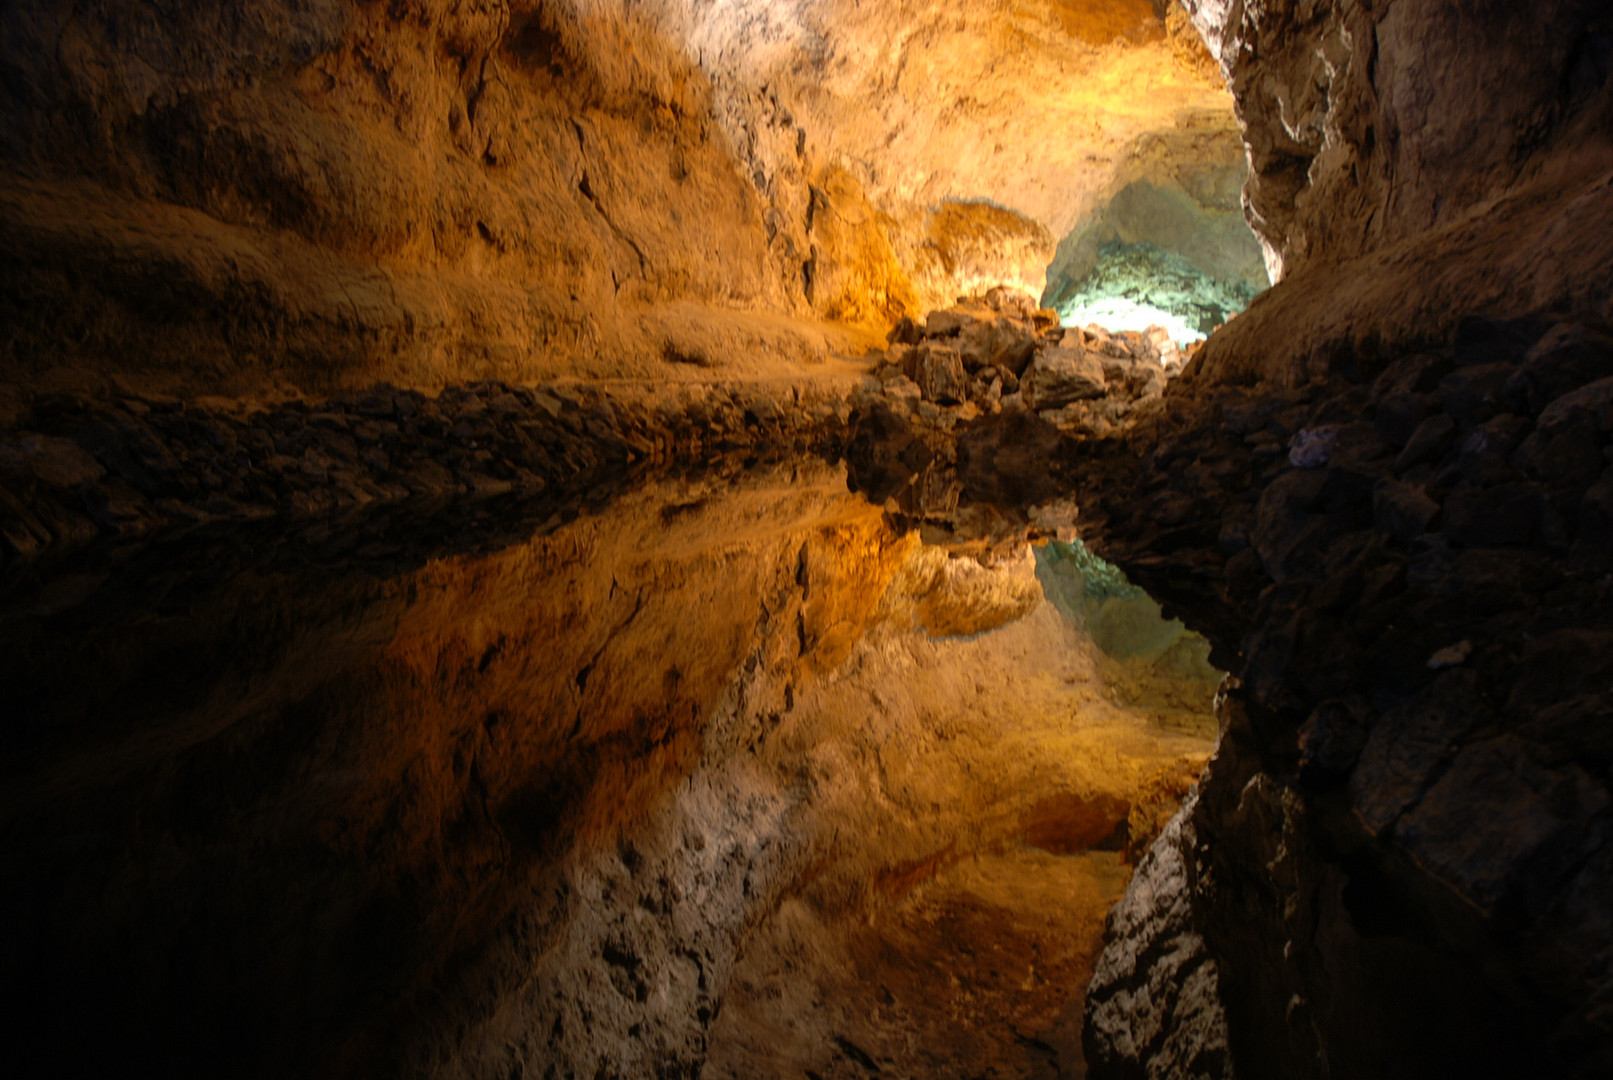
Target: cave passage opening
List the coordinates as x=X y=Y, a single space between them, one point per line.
x=1172 y=249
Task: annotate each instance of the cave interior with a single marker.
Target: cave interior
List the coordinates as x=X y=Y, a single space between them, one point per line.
x=736 y=539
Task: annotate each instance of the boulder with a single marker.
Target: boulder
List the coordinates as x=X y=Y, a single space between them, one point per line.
x=905 y=332
x=1595 y=399
x=947 y=322
x=996 y=343
x=1011 y=302
x=1404 y=511
x=1060 y=375
x=1567 y=357
x=939 y=373
x=1104 y=343
x=1163 y=345
x=1428 y=440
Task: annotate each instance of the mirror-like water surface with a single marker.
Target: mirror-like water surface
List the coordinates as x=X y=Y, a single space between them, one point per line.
x=726 y=775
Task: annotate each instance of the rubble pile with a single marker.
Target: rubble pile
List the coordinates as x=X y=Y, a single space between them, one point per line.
x=1000 y=352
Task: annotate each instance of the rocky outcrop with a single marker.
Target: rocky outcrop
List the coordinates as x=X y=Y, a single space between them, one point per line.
x=85 y=468
x=1407 y=569
x=1351 y=495
x=1154 y=1007
x=1397 y=182
x=999 y=351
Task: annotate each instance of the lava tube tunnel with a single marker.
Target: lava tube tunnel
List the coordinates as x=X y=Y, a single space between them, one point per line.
x=806 y=539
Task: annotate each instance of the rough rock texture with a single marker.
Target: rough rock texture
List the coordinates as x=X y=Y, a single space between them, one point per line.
x=1403 y=837
x=1156 y=1006
x=1392 y=524
x=85 y=468
x=436 y=191
x=337 y=192
x=1398 y=182
x=1388 y=517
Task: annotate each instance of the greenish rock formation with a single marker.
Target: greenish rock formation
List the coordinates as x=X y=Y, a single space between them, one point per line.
x=1132 y=286
x=1124 y=621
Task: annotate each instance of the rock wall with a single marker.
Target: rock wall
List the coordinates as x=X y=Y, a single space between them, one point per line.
x=338 y=192
x=1400 y=865
x=1398 y=180
x=1380 y=493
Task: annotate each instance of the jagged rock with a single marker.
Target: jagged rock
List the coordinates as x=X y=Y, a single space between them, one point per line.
x=1380 y=655
x=1164 y=346
x=1427 y=441
x=1060 y=375
x=1404 y=511
x=903 y=388
x=1594 y=399
x=948 y=322
x=1153 y=1007
x=1096 y=339
x=905 y=332
x=1566 y=357
x=1398 y=415
x=998 y=342
x=1014 y=303
x=938 y=372
x=1473 y=395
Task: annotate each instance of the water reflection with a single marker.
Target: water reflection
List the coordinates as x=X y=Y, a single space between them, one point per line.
x=499 y=787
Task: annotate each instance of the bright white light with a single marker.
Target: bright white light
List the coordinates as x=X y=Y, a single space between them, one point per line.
x=1118 y=313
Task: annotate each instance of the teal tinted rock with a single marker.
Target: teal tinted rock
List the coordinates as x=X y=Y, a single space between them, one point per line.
x=1159 y=285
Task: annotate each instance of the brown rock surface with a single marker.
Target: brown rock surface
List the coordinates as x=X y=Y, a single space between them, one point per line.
x=487 y=803
x=431 y=192
x=1398 y=183
x=1401 y=829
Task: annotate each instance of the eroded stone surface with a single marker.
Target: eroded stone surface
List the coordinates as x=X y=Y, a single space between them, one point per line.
x=432 y=192
x=1398 y=185
x=1392 y=828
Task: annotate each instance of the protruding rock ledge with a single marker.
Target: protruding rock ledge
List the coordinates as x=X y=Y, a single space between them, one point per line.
x=85 y=468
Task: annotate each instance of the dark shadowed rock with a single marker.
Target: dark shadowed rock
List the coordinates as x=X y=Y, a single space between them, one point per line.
x=1404 y=511
x=1483 y=340
x=1568 y=356
x=1507 y=514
